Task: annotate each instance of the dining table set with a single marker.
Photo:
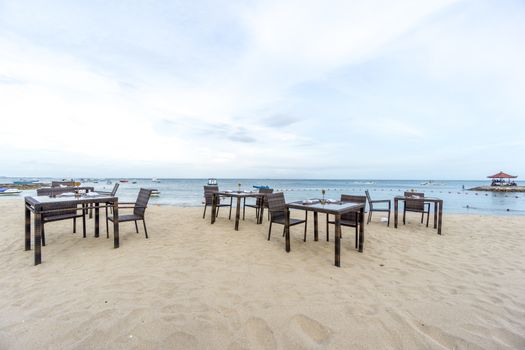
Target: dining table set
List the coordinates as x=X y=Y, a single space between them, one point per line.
x=316 y=206
x=54 y=203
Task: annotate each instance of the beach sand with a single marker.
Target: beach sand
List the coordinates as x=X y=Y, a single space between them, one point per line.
x=193 y=285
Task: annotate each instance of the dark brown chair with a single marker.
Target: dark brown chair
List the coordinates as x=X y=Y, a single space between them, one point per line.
x=349 y=219
x=59 y=212
x=259 y=203
x=372 y=209
x=139 y=210
x=417 y=206
x=278 y=210
x=208 y=200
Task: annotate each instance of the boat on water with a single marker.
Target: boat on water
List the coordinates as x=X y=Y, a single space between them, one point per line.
x=155 y=180
x=24 y=182
x=261 y=186
x=133 y=182
x=9 y=191
x=155 y=193
x=124 y=181
x=364 y=182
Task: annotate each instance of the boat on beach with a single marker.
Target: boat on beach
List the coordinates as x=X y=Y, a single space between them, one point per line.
x=9 y=192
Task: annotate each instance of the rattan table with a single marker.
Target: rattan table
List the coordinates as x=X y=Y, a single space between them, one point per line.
x=234 y=194
x=39 y=205
x=335 y=209
x=438 y=209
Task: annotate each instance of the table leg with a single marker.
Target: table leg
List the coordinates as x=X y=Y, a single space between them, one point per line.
x=213 y=207
x=287 y=230
x=435 y=214
x=38 y=237
x=316 y=229
x=337 y=240
x=97 y=221
x=238 y=214
x=396 y=202
x=361 y=229
x=116 y=240
x=440 y=219
x=28 y=229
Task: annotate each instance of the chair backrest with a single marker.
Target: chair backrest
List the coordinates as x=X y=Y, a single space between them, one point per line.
x=264 y=199
x=142 y=202
x=356 y=199
x=54 y=191
x=208 y=194
x=414 y=205
x=276 y=204
x=62 y=183
x=114 y=190
x=369 y=199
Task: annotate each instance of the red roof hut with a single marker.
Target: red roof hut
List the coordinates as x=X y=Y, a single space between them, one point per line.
x=499 y=179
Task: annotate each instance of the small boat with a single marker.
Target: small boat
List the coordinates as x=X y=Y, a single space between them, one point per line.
x=133 y=182
x=9 y=191
x=155 y=193
x=261 y=186
x=212 y=181
x=108 y=182
x=124 y=181
x=24 y=182
x=155 y=180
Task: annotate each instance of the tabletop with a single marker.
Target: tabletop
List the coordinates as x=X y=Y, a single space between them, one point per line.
x=418 y=198
x=41 y=200
x=330 y=208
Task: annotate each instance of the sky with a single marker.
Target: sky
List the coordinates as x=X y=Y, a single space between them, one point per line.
x=262 y=89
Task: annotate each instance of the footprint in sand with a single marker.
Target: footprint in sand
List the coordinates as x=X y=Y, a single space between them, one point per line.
x=180 y=340
x=260 y=334
x=309 y=331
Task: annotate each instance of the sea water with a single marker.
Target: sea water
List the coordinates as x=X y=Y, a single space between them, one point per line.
x=189 y=192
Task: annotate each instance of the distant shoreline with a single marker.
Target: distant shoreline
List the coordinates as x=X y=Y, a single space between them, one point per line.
x=499 y=188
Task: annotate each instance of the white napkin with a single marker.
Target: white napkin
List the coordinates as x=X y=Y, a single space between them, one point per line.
x=310 y=201
x=67 y=194
x=227 y=191
x=92 y=194
x=332 y=201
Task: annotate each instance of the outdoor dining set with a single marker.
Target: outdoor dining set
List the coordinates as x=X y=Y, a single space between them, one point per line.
x=348 y=211
x=69 y=201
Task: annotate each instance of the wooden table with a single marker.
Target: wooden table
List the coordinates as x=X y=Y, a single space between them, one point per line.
x=41 y=205
x=335 y=209
x=234 y=194
x=438 y=209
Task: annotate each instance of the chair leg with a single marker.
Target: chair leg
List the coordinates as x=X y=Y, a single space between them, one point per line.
x=356 y=235
x=404 y=215
x=244 y=208
x=136 y=226
x=231 y=203
x=284 y=229
x=74 y=225
x=43 y=236
x=369 y=216
x=388 y=223
x=107 y=222
x=145 y=229
x=217 y=212
x=422 y=216
x=84 y=224
x=204 y=214
x=428 y=215
x=270 y=230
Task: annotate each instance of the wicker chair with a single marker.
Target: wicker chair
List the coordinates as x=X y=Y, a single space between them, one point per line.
x=416 y=206
x=277 y=209
x=349 y=219
x=208 y=200
x=61 y=211
x=259 y=203
x=139 y=209
x=372 y=209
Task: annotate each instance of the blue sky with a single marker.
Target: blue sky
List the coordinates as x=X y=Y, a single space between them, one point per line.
x=274 y=89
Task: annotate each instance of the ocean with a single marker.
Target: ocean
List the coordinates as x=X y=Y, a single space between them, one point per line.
x=189 y=192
